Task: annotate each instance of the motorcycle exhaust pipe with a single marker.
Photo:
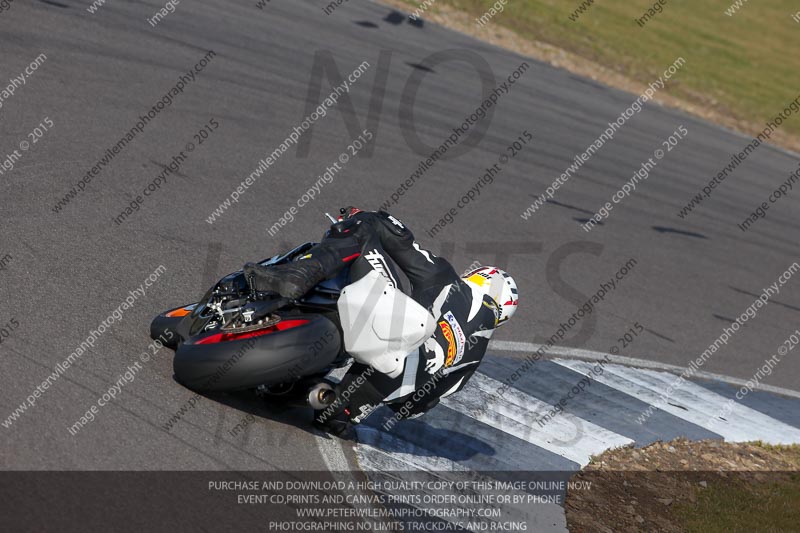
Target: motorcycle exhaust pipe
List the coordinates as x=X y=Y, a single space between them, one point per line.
x=321 y=395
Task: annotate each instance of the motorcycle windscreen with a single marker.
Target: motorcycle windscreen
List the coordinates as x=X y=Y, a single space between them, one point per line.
x=381 y=325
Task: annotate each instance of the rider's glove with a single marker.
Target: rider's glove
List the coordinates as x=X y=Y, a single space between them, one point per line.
x=347 y=212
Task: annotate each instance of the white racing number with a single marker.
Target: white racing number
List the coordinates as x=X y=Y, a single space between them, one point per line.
x=377 y=262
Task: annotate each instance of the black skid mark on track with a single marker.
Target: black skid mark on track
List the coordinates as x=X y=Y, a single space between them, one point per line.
x=662 y=229
x=585 y=220
x=754 y=295
x=213 y=253
x=659 y=335
x=723 y=318
x=220 y=423
x=57 y=4
x=420 y=66
x=567 y=206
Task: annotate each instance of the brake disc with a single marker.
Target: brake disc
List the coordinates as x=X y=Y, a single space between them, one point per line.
x=264 y=323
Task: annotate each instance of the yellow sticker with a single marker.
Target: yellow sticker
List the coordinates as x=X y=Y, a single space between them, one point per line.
x=447 y=333
x=477 y=279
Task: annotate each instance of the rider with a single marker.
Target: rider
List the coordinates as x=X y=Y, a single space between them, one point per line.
x=466 y=311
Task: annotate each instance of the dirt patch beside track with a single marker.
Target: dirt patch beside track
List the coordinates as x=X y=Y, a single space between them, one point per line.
x=688 y=486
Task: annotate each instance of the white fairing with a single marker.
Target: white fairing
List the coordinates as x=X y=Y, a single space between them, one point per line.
x=381 y=325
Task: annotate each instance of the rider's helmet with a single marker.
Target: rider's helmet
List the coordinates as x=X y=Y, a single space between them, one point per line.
x=499 y=286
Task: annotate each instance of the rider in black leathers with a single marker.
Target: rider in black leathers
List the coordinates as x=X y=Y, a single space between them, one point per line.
x=465 y=315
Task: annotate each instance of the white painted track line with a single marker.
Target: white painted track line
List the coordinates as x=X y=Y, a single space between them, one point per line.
x=693 y=403
x=540 y=517
x=590 y=355
x=517 y=414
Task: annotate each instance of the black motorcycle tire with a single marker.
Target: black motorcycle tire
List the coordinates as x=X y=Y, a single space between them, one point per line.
x=269 y=359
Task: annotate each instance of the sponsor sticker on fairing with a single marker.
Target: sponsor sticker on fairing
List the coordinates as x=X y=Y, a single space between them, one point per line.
x=447 y=333
x=378 y=262
x=396 y=222
x=364 y=412
x=458 y=334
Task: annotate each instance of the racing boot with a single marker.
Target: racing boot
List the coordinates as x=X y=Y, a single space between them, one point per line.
x=294 y=279
x=337 y=424
x=290 y=280
x=330 y=415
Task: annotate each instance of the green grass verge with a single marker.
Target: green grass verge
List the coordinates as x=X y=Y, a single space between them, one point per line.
x=734 y=505
x=726 y=507
x=745 y=65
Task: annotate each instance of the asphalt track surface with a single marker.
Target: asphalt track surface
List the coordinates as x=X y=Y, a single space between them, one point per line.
x=70 y=270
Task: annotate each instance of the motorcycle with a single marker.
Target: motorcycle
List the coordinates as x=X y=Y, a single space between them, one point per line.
x=237 y=338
